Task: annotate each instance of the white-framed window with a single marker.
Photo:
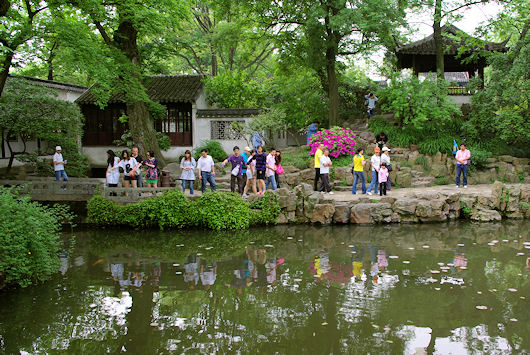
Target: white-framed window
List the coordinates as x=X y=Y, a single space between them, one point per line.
x=222 y=130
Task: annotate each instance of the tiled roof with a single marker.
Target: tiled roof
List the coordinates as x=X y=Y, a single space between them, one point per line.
x=426 y=45
x=160 y=88
x=227 y=112
x=51 y=83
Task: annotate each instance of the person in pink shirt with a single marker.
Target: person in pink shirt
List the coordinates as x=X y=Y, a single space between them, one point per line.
x=271 y=169
x=462 y=163
x=382 y=178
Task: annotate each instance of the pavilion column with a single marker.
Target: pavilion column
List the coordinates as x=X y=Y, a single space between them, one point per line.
x=481 y=76
x=415 y=65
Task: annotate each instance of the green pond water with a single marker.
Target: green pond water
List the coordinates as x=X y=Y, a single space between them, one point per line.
x=413 y=289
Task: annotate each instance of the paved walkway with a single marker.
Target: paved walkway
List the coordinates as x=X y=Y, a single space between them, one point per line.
x=413 y=192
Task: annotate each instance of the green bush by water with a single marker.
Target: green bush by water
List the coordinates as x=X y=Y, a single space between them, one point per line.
x=214 y=149
x=172 y=210
x=29 y=241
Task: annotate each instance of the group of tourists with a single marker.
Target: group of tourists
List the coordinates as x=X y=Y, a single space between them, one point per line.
x=131 y=164
x=252 y=169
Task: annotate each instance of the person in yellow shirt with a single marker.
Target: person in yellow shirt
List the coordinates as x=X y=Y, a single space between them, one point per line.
x=318 y=154
x=358 y=171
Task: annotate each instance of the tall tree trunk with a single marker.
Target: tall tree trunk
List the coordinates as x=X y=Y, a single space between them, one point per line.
x=142 y=129
x=333 y=92
x=5 y=70
x=141 y=123
x=4 y=7
x=438 y=39
x=215 y=66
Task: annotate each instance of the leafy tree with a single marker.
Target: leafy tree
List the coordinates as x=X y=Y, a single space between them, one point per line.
x=320 y=33
x=21 y=23
x=34 y=112
x=221 y=36
x=128 y=32
x=418 y=103
x=502 y=109
x=234 y=89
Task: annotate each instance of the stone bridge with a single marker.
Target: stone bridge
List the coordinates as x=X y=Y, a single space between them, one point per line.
x=80 y=190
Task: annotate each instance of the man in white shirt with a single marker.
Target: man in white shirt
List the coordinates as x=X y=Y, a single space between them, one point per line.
x=376 y=163
x=206 y=171
x=271 y=168
x=58 y=166
x=325 y=163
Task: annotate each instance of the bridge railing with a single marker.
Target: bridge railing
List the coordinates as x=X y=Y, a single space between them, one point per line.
x=81 y=190
x=129 y=195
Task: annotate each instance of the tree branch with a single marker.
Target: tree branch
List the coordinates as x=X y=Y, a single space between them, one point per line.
x=461 y=7
x=103 y=33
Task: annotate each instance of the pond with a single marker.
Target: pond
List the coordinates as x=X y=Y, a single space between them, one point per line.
x=413 y=289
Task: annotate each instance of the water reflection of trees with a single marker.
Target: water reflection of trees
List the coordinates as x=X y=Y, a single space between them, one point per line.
x=299 y=312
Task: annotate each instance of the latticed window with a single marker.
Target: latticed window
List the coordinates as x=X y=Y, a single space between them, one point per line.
x=222 y=130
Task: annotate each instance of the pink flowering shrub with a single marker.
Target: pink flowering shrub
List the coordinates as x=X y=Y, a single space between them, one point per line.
x=338 y=140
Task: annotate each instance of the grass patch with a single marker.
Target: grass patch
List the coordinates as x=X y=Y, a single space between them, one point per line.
x=407 y=164
x=298 y=158
x=442 y=180
x=424 y=162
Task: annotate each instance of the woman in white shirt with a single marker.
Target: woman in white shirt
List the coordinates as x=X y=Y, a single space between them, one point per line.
x=129 y=166
x=113 y=175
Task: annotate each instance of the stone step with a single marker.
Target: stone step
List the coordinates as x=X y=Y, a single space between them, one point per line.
x=341 y=188
x=426 y=181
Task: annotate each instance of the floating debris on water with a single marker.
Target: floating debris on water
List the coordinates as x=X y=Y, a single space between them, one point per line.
x=482 y=308
x=154 y=324
x=463 y=267
x=411 y=248
x=176 y=264
x=325 y=323
x=93 y=305
x=520 y=254
x=512 y=289
x=479 y=292
x=513 y=320
x=393 y=256
x=406 y=262
x=435 y=271
x=460 y=244
x=178 y=273
x=491 y=244
x=522 y=297
x=425 y=246
x=505 y=240
x=269 y=246
x=289 y=237
x=441 y=264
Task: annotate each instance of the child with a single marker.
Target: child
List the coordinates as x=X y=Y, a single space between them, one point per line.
x=383 y=177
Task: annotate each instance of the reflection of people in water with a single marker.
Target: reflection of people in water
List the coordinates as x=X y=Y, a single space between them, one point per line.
x=382 y=261
x=357 y=263
x=321 y=264
x=65 y=263
x=238 y=281
x=374 y=268
x=459 y=260
x=249 y=264
x=156 y=271
x=261 y=270
x=191 y=271
x=208 y=274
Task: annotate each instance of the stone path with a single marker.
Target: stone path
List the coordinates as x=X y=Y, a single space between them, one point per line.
x=346 y=196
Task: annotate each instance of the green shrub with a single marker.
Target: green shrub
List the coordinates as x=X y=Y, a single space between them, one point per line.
x=172 y=210
x=217 y=210
x=102 y=211
x=442 y=180
x=214 y=149
x=268 y=209
x=29 y=241
x=423 y=161
x=479 y=157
